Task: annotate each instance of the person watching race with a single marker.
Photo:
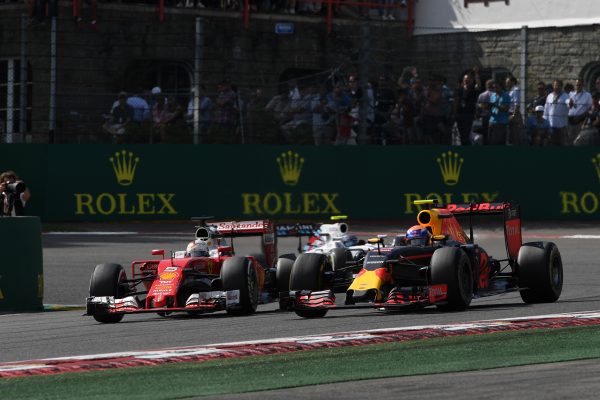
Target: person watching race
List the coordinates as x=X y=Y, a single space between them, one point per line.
x=14 y=195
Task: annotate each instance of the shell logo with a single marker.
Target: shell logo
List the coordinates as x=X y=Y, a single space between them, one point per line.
x=167 y=276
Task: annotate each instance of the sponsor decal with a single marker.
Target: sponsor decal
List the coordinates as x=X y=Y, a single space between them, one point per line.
x=245 y=225
x=233 y=297
x=450 y=164
x=168 y=276
x=269 y=238
x=124 y=166
x=465 y=208
x=162 y=288
x=290 y=203
x=296 y=229
x=582 y=203
x=437 y=292
x=170 y=269
x=290 y=167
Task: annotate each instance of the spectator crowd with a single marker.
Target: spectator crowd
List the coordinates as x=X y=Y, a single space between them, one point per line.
x=340 y=110
x=388 y=10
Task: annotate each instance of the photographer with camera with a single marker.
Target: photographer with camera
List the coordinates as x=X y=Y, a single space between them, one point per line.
x=13 y=194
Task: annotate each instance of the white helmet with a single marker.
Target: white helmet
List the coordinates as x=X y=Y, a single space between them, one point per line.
x=198 y=248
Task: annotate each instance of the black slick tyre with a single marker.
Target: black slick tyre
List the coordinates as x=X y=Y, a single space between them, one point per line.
x=283 y=272
x=238 y=273
x=540 y=272
x=339 y=257
x=262 y=260
x=307 y=274
x=108 y=280
x=451 y=266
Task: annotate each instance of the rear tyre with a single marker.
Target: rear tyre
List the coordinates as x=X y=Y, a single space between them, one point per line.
x=289 y=256
x=307 y=274
x=108 y=280
x=540 y=272
x=262 y=260
x=283 y=272
x=238 y=273
x=451 y=266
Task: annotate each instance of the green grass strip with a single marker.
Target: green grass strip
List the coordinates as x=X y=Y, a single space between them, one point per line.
x=182 y=380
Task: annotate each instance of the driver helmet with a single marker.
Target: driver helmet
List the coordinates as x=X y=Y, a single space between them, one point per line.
x=418 y=236
x=349 y=240
x=198 y=248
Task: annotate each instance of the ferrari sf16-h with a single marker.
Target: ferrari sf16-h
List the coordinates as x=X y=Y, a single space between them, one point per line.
x=448 y=271
x=206 y=277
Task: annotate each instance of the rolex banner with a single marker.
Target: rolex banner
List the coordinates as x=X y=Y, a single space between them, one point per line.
x=176 y=182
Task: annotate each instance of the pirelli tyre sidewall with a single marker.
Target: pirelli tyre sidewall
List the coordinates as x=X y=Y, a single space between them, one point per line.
x=540 y=272
x=339 y=257
x=307 y=272
x=451 y=266
x=108 y=280
x=283 y=272
x=238 y=273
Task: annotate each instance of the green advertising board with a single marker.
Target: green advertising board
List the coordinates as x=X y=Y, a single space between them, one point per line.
x=21 y=271
x=160 y=182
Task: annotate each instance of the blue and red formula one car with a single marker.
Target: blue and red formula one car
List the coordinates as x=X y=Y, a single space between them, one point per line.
x=448 y=271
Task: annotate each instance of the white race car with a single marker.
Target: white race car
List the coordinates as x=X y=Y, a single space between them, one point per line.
x=344 y=250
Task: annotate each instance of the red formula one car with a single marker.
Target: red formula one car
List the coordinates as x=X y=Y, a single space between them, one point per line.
x=448 y=271
x=206 y=277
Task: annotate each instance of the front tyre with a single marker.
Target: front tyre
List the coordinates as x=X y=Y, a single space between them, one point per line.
x=540 y=272
x=451 y=266
x=311 y=313
x=307 y=274
x=339 y=257
x=238 y=273
x=108 y=280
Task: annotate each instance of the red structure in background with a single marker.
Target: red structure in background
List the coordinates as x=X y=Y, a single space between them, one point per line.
x=330 y=5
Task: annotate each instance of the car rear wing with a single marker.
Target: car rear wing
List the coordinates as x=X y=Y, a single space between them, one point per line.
x=289 y=230
x=298 y=230
x=308 y=229
x=510 y=211
x=262 y=228
x=243 y=228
